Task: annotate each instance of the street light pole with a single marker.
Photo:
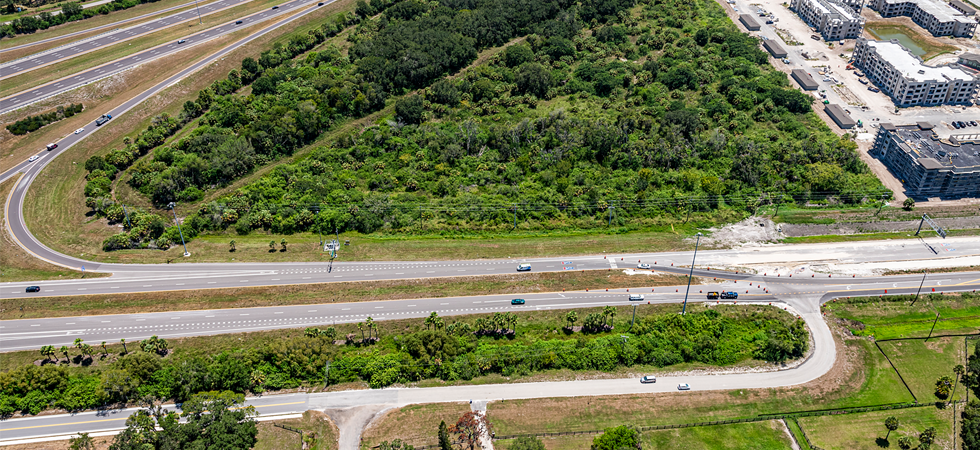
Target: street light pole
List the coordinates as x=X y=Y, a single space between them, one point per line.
x=691 y=275
x=172 y=206
x=919 y=290
x=198 y=13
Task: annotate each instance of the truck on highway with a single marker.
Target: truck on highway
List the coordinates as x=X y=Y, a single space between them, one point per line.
x=101 y=120
x=729 y=295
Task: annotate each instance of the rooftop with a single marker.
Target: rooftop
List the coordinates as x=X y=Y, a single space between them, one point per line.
x=959 y=151
x=962 y=6
x=912 y=67
x=936 y=8
x=970 y=57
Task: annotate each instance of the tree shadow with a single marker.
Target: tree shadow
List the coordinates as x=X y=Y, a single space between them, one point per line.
x=882 y=442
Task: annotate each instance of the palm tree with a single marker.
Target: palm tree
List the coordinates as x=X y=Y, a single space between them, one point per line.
x=272 y=246
x=571 y=317
x=86 y=350
x=232 y=244
x=959 y=371
x=892 y=424
x=608 y=311
x=47 y=351
x=123 y=341
x=78 y=344
x=370 y=325
x=431 y=320
x=104 y=351
x=360 y=327
x=905 y=442
x=283 y=243
x=64 y=351
x=312 y=332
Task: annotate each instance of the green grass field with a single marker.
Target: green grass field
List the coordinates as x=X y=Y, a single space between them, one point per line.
x=922 y=363
x=867 y=430
x=794 y=427
x=768 y=435
x=892 y=317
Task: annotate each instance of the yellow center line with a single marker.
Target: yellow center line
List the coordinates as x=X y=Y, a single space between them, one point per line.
x=117 y=418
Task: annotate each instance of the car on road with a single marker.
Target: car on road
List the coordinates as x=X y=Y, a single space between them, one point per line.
x=78 y=131
x=862 y=81
x=319 y=4
x=636 y=297
x=956 y=125
x=643 y=266
x=181 y=41
x=523 y=267
x=683 y=387
x=517 y=301
x=275 y=7
x=238 y=22
x=729 y=295
x=51 y=146
x=648 y=379
x=712 y=295
x=33 y=288
x=873 y=89
x=33 y=158
x=102 y=120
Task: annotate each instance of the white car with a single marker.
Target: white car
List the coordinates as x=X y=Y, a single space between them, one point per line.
x=643 y=266
x=33 y=158
x=684 y=387
x=648 y=379
x=79 y=130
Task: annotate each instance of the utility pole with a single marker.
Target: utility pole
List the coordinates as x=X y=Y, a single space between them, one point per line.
x=130 y=225
x=172 y=206
x=691 y=275
x=610 y=214
x=326 y=377
x=515 y=216
x=198 y=13
x=633 y=320
x=880 y=204
x=920 y=289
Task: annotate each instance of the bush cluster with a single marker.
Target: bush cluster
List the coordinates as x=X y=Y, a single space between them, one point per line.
x=32 y=123
x=454 y=351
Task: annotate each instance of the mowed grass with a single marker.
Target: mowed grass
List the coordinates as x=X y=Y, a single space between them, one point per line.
x=892 y=317
x=345 y=292
x=866 y=431
x=87 y=24
x=868 y=381
x=871 y=237
x=55 y=209
x=92 y=59
x=417 y=425
x=921 y=363
x=768 y=435
x=18 y=265
x=574 y=442
x=313 y=423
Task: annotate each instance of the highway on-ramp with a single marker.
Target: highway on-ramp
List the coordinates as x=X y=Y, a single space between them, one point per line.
x=803 y=303
x=30 y=96
x=32 y=169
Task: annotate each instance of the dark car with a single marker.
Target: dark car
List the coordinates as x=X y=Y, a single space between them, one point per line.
x=956 y=125
x=238 y=22
x=729 y=295
x=275 y=7
x=973 y=123
x=319 y=4
x=517 y=301
x=33 y=288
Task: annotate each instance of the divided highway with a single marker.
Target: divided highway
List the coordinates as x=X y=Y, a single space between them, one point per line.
x=25 y=98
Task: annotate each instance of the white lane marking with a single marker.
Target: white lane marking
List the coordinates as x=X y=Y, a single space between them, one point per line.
x=312 y=310
x=208 y=316
x=278 y=312
x=212 y=282
x=345 y=309
x=243 y=314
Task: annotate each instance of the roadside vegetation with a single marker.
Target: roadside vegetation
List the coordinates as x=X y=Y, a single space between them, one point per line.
x=70 y=12
x=556 y=129
x=458 y=349
x=298 y=294
x=891 y=316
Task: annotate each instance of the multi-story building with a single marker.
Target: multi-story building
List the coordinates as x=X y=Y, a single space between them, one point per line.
x=855 y=5
x=936 y=16
x=971 y=60
x=928 y=165
x=832 y=19
x=908 y=81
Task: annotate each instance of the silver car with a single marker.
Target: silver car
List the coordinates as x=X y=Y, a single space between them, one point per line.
x=643 y=266
x=684 y=387
x=648 y=379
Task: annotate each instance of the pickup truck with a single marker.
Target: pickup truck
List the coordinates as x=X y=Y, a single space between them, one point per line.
x=101 y=120
x=729 y=294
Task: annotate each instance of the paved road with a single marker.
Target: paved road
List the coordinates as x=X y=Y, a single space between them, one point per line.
x=31 y=169
x=97 y=73
x=804 y=304
x=37 y=61
x=89 y=30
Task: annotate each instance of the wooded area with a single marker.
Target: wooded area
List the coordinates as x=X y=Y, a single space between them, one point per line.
x=605 y=112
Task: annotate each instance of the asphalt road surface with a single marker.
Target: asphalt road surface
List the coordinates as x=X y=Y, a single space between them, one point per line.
x=804 y=303
x=89 y=30
x=31 y=169
x=33 y=62
x=66 y=84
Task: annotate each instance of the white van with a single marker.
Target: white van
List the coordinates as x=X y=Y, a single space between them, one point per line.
x=636 y=297
x=524 y=268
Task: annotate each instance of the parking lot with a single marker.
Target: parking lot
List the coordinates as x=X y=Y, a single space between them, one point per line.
x=825 y=64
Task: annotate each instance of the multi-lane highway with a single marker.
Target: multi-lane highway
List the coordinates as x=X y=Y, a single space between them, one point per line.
x=25 y=98
x=32 y=169
x=802 y=297
x=107 y=26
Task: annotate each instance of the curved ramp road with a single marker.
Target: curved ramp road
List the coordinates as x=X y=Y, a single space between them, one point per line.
x=89 y=30
x=32 y=62
x=31 y=169
x=821 y=360
x=22 y=99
